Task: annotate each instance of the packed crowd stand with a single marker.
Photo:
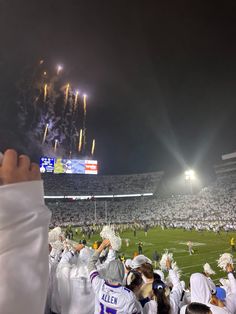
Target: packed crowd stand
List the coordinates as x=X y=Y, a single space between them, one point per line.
x=214 y=207
x=70 y=184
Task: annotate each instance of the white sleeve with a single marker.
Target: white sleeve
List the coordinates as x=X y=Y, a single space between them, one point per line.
x=24 y=221
x=134 y=308
x=96 y=281
x=176 y=291
x=150 y=307
x=66 y=258
x=232 y=281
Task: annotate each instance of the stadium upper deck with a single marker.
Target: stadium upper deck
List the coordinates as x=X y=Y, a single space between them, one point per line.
x=72 y=184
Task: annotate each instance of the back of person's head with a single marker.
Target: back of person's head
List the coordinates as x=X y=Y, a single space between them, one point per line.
x=163 y=305
x=147 y=270
x=201 y=289
x=218 y=297
x=160 y=274
x=156 y=276
x=128 y=264
x=134 y=280
x=197 y=308
x=114 y=272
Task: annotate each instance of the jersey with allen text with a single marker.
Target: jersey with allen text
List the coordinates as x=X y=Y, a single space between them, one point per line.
x=111 y=299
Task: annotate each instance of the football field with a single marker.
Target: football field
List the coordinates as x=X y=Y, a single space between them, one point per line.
x=207 y=247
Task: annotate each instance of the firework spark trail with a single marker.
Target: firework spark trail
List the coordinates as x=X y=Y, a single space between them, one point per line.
x=67 y=93
x=55 y=146
x=50 y=114
x=76 y=99
x=84 y=123
x=85 y=105
x=93 y=147
x=45 y=92
x=80 y=140
x=45 y=133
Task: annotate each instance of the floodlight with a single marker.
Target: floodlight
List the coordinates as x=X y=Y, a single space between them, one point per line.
x=189 y=174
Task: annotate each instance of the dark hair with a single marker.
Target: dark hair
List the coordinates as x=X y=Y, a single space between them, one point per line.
x=136 y=281
x=163 y=305
x=156 y=276
x=197 y=308
x=147 y=270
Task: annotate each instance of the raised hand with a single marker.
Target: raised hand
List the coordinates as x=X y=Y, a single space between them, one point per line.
x=105 y=243
x=15 y=169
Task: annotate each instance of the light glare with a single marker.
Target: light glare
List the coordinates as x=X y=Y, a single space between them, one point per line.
x=189 y=174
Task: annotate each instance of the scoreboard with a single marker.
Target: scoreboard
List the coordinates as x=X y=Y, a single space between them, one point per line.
x=72 y=166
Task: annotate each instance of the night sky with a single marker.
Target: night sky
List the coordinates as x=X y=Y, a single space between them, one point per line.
x=160 y=75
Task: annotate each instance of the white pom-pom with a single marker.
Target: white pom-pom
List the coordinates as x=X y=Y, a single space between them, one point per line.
x=164 y=258
x=208 y=270
x=57 y=245
x=176 y=269
x=54 y=234
x=225 y=259
x=69 y=244
x=108 y=233
x=174 y=266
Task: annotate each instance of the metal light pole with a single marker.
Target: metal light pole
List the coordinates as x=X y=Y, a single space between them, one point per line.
x=106 y=211
x=95 y=211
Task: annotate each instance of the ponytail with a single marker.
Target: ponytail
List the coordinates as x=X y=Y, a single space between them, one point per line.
x=163 y=305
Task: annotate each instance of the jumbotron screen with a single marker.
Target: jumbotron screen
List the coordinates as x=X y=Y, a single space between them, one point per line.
x=74 y=166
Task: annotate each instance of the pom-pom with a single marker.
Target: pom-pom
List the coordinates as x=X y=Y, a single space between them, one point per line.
x=174 y=266
x=164 y=258
x=69 y=244
x=208 y=270
x=176 y=269
x=54 y=234
x=115 y=240
x=57 y=245
x=224 y=260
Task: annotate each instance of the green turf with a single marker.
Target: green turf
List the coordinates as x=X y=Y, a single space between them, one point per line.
x=207 y=247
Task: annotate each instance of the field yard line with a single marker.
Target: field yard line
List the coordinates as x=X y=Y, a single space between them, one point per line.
x=216 y=279
x=208 y=260
x=203 y=253
x=195 y=265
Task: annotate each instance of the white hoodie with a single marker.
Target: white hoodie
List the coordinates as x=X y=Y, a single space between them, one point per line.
x=75 y=289
x=201 y=292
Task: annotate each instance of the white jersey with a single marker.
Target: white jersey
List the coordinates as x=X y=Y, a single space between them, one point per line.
x=75 y=291
x=111 y=299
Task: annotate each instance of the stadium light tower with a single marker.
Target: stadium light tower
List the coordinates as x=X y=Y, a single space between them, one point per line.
x=189 y=178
